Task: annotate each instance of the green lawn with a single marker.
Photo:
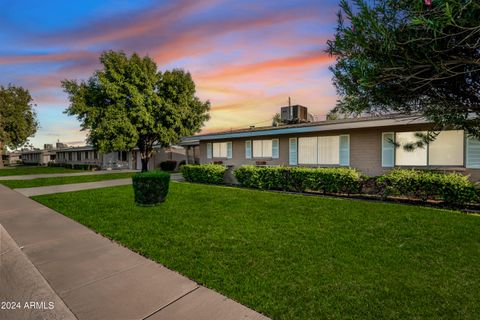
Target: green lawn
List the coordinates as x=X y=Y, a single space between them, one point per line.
x=299 y=257
x=23 y=170
x=64 y=180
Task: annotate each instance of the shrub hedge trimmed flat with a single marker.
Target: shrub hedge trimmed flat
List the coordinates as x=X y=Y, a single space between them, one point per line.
x=150 y=188
x=76 y=166
x=204 y=173
x=326 y=180
x=453 y=188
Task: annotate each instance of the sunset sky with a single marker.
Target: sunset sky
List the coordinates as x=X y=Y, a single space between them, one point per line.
x=247 y=57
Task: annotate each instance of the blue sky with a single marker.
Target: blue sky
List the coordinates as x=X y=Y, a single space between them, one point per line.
x=246 y=57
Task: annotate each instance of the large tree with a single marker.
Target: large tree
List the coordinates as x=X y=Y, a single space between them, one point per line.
x=18 y=120
x=410 y=57
x=130 y=103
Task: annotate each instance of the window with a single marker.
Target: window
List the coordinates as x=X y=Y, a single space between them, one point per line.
x=219 y=150
x=417 y=157
x=307 y=150
x=248 y=149
x=388 y=149
x=70 y=156
x=446 y=149
x=324 y=150
x=122 y=155
x=473 y=153
x=79 y=156
x=86 y=155
x=328 y=150
x=262 y=148
x=292 y=151
x=95 y=155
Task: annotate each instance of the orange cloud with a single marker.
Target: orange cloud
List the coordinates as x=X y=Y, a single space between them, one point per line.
x=306 y=59
x=49 y=57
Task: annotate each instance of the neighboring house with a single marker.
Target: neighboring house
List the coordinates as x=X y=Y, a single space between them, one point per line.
x=12 y=158
x=120 y=159
x=38 y=157
x=361 y=143
x=89 y=155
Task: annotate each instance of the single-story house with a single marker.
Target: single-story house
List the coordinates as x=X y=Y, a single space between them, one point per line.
x=12 y=158
x=122 y=159
x=368 y=144
x=89 y=155
x=38 y=157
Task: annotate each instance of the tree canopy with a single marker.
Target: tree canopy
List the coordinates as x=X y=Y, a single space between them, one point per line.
x=130 y=103
x=18 y=120
x=413 y=57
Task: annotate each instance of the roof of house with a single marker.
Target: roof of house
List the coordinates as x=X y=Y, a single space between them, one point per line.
x=317 y=126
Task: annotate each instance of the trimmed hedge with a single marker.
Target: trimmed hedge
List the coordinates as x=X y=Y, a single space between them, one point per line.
x=204 y=173
x=325 y=180
x=168 y=165
x=453 y=188
x=150 y=188
x=76 y=166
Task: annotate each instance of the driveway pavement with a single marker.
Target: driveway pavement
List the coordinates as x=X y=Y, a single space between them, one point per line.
x=93 y=276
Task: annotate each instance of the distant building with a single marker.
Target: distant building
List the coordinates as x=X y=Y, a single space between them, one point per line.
x=11 y=158
x=38 y=157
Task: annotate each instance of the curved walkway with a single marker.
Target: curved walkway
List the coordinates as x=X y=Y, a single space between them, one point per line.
x=97 y=278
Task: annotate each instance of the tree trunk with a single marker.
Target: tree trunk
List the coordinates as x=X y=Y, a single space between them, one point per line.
x=144 y=164
x=1 y=154
x=145 y=149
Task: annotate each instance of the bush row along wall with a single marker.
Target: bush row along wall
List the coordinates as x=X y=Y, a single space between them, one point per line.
x=75 y=166
x=452 y=188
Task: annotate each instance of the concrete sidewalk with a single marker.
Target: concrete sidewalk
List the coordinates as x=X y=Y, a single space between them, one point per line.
x=99 y=279
x=37 y=191
x=56 y=175
x=22 y=283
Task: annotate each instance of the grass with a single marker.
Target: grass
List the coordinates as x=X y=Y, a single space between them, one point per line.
x=63 y=180
x=299 y=257
x=24 y=170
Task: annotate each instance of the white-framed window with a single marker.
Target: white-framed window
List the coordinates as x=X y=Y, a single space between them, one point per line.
x=219 y=150
x=265 y=148
x=329 y=150
x=308 y=150
x=446 y=150
x=324 y=150
x=417 y=157
x=262 y=148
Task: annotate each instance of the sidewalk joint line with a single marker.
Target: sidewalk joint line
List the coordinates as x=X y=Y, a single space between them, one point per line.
x=172 y=302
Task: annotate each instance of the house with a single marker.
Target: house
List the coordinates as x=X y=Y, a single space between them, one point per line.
x=368 y=144
x=11 y=158
x=90 y=156
x=121 y=159
x=38 y=157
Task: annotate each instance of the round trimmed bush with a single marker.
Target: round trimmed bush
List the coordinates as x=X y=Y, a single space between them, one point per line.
x=150 y=188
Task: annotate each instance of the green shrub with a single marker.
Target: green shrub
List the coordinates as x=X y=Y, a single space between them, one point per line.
x=204 y=173
x=452 y=188
x=326 y=180
x=150 y=188
x=168 y=165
